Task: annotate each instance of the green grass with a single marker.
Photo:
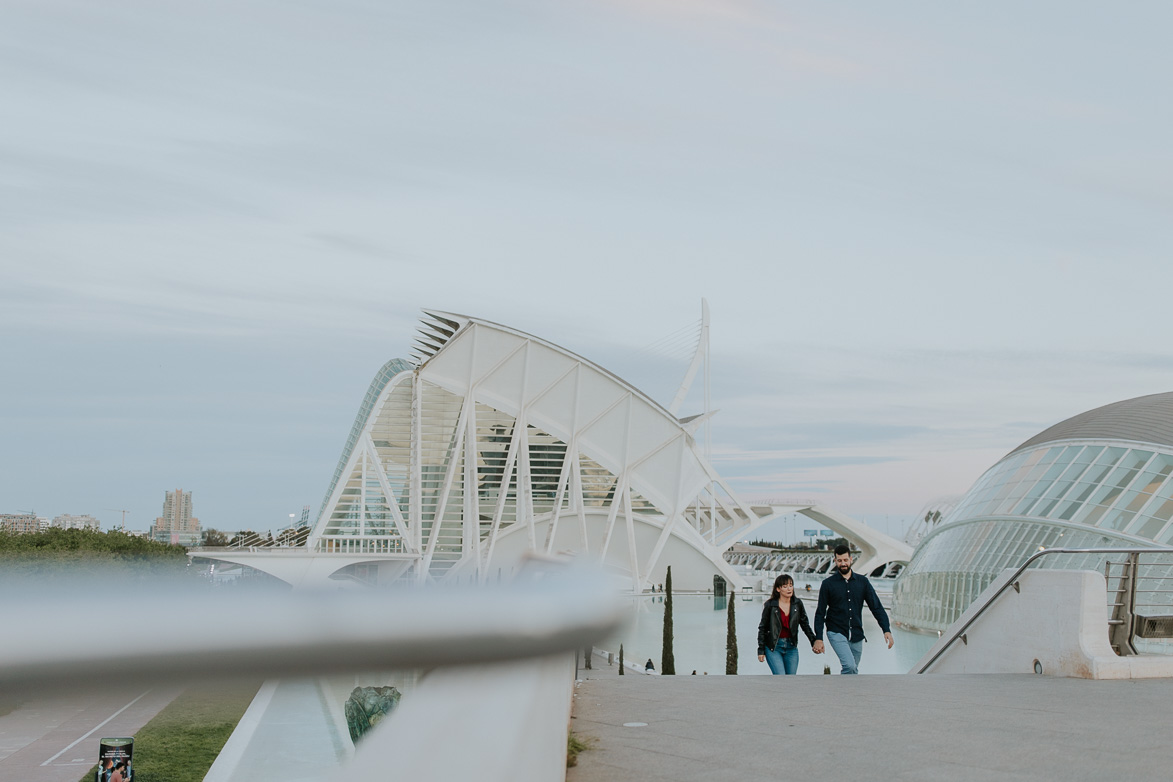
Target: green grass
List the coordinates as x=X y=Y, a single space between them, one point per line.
x=575 y=745
x=182 y=741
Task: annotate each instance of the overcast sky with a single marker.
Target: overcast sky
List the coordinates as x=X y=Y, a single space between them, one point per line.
x=925 y=230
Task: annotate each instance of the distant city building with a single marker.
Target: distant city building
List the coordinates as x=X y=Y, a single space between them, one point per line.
x=20 y=522
x=85 y=521
x=177 y=525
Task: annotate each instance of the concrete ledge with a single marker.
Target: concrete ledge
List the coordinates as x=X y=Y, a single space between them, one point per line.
x=224 y=767
x=505 y=722
x=1058 y=618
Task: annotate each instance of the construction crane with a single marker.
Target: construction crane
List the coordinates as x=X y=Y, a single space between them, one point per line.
x=122 y=526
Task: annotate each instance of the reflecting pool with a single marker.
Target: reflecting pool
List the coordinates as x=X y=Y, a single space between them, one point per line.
x=699 y=636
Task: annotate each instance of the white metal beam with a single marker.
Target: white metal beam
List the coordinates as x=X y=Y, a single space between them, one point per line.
x=396 y=514
x=632 y=554
x=449 y=477
x=507 y=478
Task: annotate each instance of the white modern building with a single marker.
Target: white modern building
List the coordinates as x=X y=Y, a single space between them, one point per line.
x=69 y=521
x=1098 y=479
x=497 y=444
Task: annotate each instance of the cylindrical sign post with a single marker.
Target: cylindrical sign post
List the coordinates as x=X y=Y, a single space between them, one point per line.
x=114 y=760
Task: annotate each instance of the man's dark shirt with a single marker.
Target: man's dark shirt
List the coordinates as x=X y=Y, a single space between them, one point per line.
x=841 y=606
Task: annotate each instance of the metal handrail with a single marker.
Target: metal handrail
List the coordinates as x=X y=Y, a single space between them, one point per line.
x=1013 y=582
x=197 y=634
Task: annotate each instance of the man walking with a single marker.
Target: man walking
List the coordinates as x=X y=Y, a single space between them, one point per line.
x=841 y=599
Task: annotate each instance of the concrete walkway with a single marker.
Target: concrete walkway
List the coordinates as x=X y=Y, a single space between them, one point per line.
x=287 y=734
x=896 y=727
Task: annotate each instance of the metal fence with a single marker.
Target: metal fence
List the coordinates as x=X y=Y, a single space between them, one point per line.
x=1140 y=598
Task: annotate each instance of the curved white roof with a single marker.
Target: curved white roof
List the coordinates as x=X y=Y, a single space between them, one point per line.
x=1146 y=419
x=571 y=398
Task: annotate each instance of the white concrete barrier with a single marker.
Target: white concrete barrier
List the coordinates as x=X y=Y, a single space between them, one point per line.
x=1057 y=618
x=505 y=722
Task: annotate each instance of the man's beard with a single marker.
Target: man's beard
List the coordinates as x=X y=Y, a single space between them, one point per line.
x=844 y=569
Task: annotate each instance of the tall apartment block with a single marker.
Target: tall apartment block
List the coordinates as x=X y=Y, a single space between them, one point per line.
x=177 y=525
x=19 y=522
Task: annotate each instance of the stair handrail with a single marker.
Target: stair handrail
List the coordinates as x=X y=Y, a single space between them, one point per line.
x=1013 y=582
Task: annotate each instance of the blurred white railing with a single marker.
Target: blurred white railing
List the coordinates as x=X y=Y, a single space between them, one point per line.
x=494 y=705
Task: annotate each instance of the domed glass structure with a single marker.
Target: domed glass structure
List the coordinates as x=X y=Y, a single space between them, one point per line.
x=1098 y=479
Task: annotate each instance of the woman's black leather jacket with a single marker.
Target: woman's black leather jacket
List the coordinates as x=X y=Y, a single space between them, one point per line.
x=771 y=625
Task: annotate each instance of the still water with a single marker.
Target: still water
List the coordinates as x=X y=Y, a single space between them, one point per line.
x=699 y=636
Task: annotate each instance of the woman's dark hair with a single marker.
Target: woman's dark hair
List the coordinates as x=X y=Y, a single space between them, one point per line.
x=780 y=582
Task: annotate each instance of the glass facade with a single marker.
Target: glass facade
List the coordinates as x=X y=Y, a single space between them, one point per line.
x=1070 y=494
x=388 y=371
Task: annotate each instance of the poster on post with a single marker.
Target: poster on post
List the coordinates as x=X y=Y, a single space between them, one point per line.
x=114 y=760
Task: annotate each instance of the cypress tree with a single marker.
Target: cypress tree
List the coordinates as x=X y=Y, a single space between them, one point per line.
x=667 y=658
x=731 y=638
x=620 y=659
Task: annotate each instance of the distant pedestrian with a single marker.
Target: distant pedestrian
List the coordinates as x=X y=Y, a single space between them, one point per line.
x=648 y=666
x=842 y=596
x=782 y=616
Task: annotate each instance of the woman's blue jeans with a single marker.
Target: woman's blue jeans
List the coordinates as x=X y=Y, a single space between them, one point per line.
x=783 y=658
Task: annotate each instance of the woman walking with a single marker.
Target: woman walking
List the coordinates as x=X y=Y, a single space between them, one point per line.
x=782 y=615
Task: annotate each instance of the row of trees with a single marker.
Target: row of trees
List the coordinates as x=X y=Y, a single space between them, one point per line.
x=668 y=656
x=84 y=542
x=80 y=552
x=87 y=542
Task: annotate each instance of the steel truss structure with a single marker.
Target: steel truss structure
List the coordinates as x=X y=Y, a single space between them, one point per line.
x=498 y=443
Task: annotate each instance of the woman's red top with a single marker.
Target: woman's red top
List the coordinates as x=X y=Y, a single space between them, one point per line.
x=785 y=623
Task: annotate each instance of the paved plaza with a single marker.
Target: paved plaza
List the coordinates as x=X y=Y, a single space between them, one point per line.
x=880 y=727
